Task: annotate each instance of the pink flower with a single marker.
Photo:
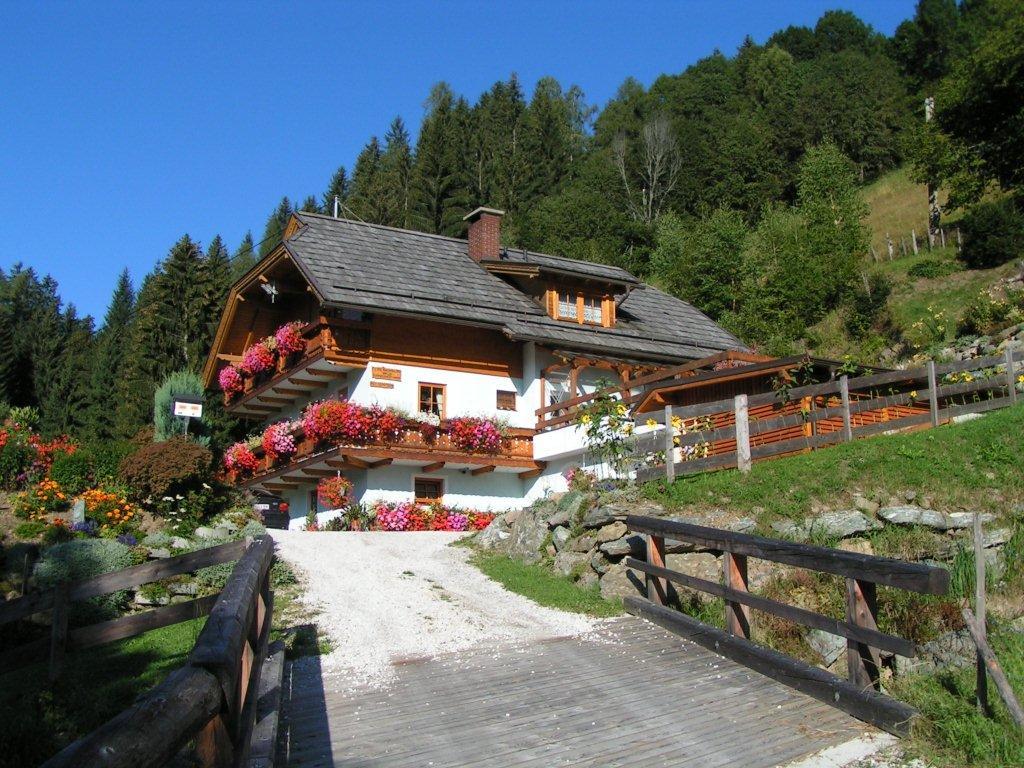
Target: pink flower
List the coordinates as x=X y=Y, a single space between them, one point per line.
x=230 y=380
x=475 y=435
x=257 y=358
x=240 y=458
x=289 y=338
x=278 y=440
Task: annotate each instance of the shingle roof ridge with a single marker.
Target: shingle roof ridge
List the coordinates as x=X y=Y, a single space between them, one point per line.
x=420 y=233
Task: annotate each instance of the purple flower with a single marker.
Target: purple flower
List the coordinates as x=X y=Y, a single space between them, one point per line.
x=88 y=527
x=127 y=539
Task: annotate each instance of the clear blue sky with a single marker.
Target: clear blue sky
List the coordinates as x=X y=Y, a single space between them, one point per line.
x=125 y=125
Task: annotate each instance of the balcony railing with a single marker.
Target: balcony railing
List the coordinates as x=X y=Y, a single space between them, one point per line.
x=331 y=349
x=313 y=460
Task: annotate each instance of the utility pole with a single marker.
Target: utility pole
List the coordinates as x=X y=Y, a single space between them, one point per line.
x=933 y=192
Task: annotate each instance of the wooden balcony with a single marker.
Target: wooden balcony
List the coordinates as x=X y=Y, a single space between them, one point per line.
x=311 y=461
x=332 y=349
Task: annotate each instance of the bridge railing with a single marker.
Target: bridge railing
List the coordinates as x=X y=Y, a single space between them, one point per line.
x=859 y=695
x=211 y=701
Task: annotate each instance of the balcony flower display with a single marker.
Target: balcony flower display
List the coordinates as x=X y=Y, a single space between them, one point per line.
x=387 y=423
x=240 y=458
x=408 y=516
x=429 y=425
x=278 y=441
x=333 y=492
x=230 y=380
x=289 y=339
x=336 y=420
x=475 y=435
x=258 y=358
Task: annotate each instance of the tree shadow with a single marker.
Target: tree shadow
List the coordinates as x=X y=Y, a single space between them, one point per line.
x=305 y=729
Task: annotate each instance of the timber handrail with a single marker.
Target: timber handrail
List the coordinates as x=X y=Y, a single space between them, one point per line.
x=858 y=695
x=211 y=700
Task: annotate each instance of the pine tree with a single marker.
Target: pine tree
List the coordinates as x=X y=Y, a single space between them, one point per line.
x=338 y=188
x=396 y=174
x=440 y=186
x=310 y=205
x=244 y=258
x=111 y=350
x=64 y=404
x=218 y=267
x=274 y=229
x=498 y=163
x=366 y=199
x=552 y=137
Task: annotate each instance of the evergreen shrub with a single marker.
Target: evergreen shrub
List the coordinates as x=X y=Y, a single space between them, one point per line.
x=80 y=559
x=73 y=471
x=993 y=234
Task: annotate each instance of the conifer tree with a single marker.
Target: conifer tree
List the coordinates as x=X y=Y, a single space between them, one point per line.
x=218 y=267
x=440 y=186
x=338 y=188
x=64 y=403
x=396 y=174
x=310 y=205
x=553 y=136
x=366 y=199
x=498 y=162
x=244 y=258
x=274 y=229
x=111 y=351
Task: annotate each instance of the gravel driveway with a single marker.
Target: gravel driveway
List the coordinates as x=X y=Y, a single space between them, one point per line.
x=384 y=597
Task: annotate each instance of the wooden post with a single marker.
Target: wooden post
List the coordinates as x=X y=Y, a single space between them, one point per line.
x=913 y=239
x=670 y=446
x=737 y=615
x=942 y=237
x=742 y=433
x=31 y=555
x=992 y=664
x=58 y=629
x=888 y=245
x=213 y=745
x=1011 y=382
x=862 y=660
x=844 y=393
x=933 y=393
x=657 y=588
x=981 y=692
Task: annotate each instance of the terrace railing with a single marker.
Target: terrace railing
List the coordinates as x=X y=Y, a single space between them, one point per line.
x=211 y=701
x=737 y=431
x=859 y=695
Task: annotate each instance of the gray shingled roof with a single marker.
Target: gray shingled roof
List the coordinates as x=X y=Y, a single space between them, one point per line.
x=566 y=266
x=383 y=269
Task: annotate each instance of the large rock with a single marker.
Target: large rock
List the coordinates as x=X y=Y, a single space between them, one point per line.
x=628 y=545
x=743 y=525
x=583 y=543
x=494 y=535
x=596 y=518
x=588 y=580
x=703 y=565
x=865 y=505
x=910 y=515
x=568 y=510
x=204 y=532
x=611 y=532
x=527 y=537
x=618 y=582
x=645 y=507
x=831 y=525
x=960 y=520
x=560 y=536
x=599 y=562
x=950 y=651
x=568 y=562
x=826 y=645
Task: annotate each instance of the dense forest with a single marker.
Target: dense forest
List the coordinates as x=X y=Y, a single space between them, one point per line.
x=734 y=184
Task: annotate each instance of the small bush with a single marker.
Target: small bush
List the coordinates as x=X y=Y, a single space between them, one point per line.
x=106 y=460
x=79 y=559
x=932 y=268
x=986 y=314
x=868 y=306
x=72 y=471
x=30 y=530
x=993 y=234
x=170 y=468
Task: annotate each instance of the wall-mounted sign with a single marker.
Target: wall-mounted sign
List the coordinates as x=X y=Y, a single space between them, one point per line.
x=391 y=374
x=188 y=407
x=382 y=384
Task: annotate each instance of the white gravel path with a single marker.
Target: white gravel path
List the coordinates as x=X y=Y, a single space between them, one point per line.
x=383 y=597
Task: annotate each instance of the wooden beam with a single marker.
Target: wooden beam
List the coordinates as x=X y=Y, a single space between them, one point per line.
x=992 y=665
x=290 y=391
x=482 y=470
x=530 y=473
x=261 y=408
x=307 y=382
x=432 y=467
x=329 y=374
x=270 y=399
x=319 y=472
x=379 y=463
x=870 y=706
x=280 y=486
x=353 y=462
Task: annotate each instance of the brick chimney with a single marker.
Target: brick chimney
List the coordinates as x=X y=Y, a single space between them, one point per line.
x=484 y=233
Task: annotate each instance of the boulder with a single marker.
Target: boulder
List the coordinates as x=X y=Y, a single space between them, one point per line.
x=494 y=535
x=558 y=519
x=526 y=537
x=860 y=546
x=222 y=533
x=599 y=562
x=906 y=515
x=703 y=565
x=588 y=580
x=611 y=532
x=567 y=562
x=571 y=505
x=826 y=645
x=560 y=536
x=831 y=525
x=743 y=525
x=865 y=505
x=966 y=519
x=156 y=553
x=596 y=518
x=179 y=543
x=227 y=525
x=183 y=588
x=583 y=543
x=618 y=582
x=512 y=515
x=952 y=650
x=628 y=545
x=996 y=537
x=644 y=507
x=204 y=532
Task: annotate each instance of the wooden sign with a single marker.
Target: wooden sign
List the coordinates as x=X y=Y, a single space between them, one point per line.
x=391 y=374
x=382 y=384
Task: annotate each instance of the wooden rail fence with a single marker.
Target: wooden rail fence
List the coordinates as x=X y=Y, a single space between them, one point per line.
x=829 y=413
x=211 y=701
x=859 y=695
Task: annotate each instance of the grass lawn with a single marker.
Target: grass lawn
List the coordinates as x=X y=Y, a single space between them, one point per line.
x=542 y=586
x=38 y=719
x=975 y=465
x=953 y=732
x=897 y=205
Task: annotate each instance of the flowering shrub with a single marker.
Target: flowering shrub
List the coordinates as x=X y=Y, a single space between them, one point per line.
x=480 y=520
x=46 y=498
x=289 y=339
x=112 y=512
x=407 y=516
x=335 y=420
x=475 y=435
x=25 y=457
x=230 y=380
x=240 y=458
x=387 y=423
x=258 y=358
x=579 y=479
x=278 y=441
x=333 y=492
x=394 y=517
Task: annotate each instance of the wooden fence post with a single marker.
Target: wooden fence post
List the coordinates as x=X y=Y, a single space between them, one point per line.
x=737 y=615
x=933 y=393
x=742 y=433
x=657 y=588
x=981 y=692
x=58 y=629
x=913 y=239
x=844 y=393
x=862 y=660
x=1011 y=382
x=670 y=446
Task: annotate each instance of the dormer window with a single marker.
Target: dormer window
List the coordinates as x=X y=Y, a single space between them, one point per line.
x=581 y=307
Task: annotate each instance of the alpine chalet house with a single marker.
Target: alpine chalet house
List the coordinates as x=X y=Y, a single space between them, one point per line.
x=425 y=368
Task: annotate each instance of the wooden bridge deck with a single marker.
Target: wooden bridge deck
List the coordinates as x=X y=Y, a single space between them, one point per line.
x=631 y=694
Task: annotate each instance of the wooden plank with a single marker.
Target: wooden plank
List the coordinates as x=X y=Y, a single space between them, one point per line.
x=863 y=662
x=844 y=394
x=434 y=466
x=152 y=730
x=933 y=394
x=734 y=575
x=979 y=407
x=137 y=623
x=20 y=607
x=792 y=613
x=482 y=470
x=657 y=588
x=981 y=678
x=58 y=630
x=914 y=577
x=1011 y=380
x=669 y=445
x=972 y=364
x=742 y=420
x=993 y=667
x=870 y=706
x=263 y=741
